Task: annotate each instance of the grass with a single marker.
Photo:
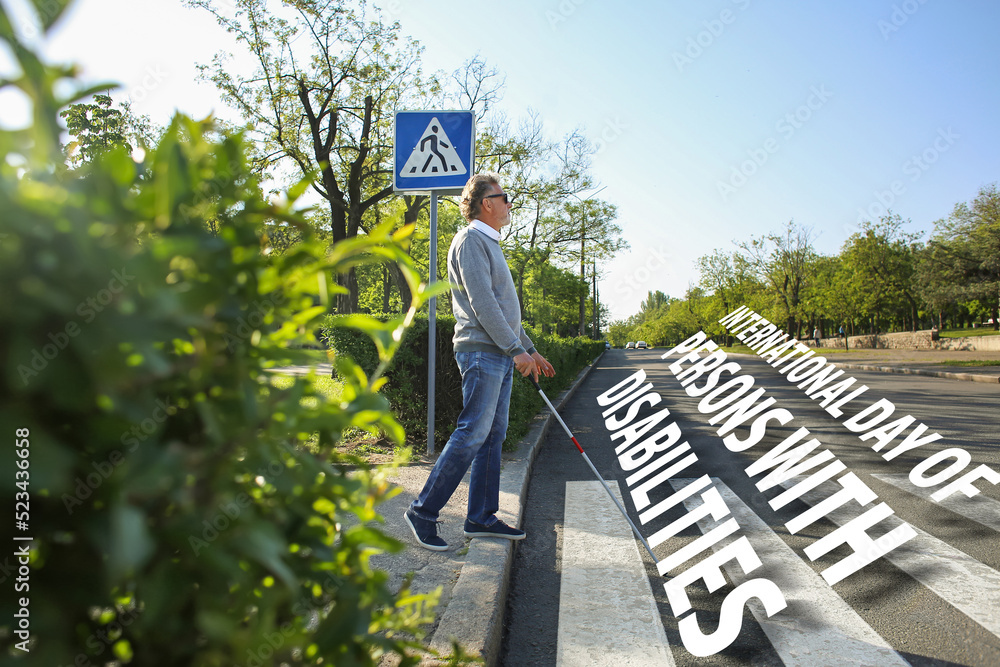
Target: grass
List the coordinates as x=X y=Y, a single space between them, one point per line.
x=968 y=333
x=317 y=356
x=971 y=362
x=737 y=349
x=327 y=386
x=373 y=448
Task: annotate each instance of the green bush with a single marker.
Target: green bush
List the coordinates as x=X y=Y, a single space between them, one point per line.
x=406 y=376
x=175 y=518
x=569 y=356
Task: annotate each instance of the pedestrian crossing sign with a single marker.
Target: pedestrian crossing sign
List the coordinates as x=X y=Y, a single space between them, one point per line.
x=433 y=150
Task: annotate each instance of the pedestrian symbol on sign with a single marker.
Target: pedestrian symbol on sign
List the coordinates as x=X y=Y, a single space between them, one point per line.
x=433 y=155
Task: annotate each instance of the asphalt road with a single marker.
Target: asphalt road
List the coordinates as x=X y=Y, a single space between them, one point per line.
x=934 y=600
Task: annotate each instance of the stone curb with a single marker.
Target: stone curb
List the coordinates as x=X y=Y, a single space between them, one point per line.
x=474 y=615
x=968 y=377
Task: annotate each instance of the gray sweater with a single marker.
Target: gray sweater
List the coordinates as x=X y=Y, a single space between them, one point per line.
x=487 y=313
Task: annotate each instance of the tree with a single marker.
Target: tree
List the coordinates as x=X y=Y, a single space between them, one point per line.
x=652 y=304
x=718 y=277
x=553 y=294
x=585 y=232
x=966 y=246
x=329 y=76
x=98 y=127
x=937 y=281
x=880 y=260
x=279 y=237
x=475 y=86
x=780 y=260
x=731 y=282
x=821 y=300
x=673 y=321
x=619 y=332
x=540 y=188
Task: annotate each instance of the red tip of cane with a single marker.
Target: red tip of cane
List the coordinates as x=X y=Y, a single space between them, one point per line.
x=577 y=444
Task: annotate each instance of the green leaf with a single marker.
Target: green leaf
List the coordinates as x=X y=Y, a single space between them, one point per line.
x=384 y=334
x=264 y=545
x=49 y=11
x=131 y=544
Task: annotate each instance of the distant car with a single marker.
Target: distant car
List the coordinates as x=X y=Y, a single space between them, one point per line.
x=630 y=345
x=607 y=345
x=641 y=345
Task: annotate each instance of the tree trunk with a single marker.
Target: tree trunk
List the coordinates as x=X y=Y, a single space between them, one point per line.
x=385 y=289
x=347 y=302
x=527 y=258
x=996 y=309
x=545 y=313
x=593 y=303
x=402 y=286
x=413 y=203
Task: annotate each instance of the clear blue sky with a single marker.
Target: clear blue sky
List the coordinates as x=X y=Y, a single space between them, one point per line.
x=721 y=120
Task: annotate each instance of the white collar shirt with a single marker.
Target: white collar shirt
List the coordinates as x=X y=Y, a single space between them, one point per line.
x=485 y=229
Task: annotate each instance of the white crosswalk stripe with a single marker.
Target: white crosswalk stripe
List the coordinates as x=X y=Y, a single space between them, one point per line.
x=980 y=509
x=960 y=580
x=607 y=613
x=817 y=627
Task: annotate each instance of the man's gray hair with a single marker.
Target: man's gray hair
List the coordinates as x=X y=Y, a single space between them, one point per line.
x=472 y=196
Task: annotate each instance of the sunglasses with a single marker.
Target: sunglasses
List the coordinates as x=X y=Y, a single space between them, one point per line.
x=502 y=194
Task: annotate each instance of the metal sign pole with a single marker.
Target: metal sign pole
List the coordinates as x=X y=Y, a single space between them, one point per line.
x=434 y=151
x=432 y=326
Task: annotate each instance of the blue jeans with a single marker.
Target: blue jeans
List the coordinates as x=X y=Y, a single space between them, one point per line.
x=482 y=427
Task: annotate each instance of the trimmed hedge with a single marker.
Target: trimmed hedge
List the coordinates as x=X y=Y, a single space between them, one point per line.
x=406 y=386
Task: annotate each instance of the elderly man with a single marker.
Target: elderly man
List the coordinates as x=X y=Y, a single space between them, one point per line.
x=489 y=344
